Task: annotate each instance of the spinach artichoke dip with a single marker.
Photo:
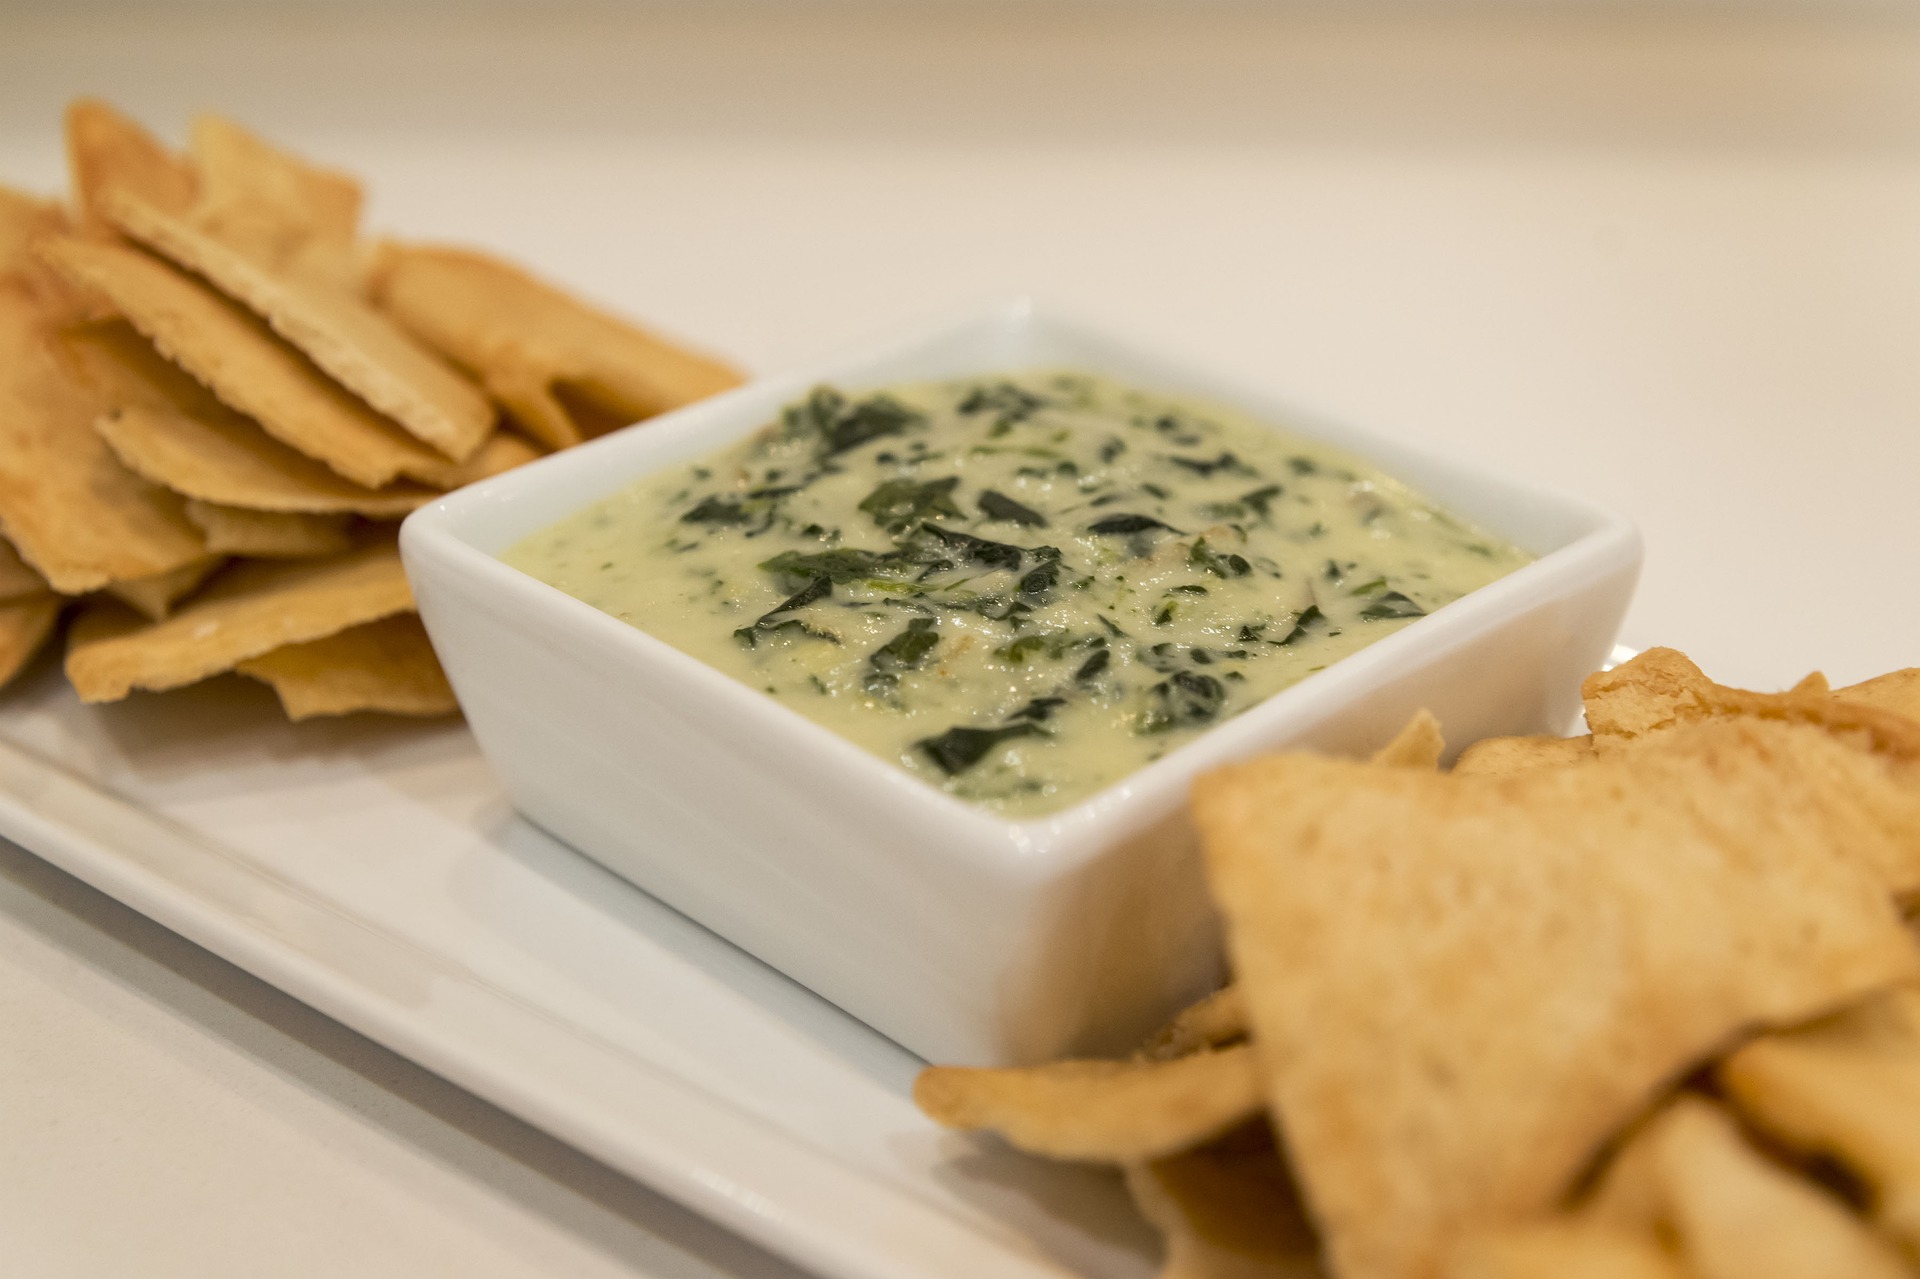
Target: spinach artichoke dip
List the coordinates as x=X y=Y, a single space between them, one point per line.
x=1019 y=588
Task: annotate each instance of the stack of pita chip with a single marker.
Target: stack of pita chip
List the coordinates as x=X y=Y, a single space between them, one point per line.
x=217 y=400
x=1638 y=1005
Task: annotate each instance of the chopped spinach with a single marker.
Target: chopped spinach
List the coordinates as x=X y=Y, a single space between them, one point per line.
x=1309 y=617
x=1093 y=665
x=1128 y=524
x=1390 y=605
x=1204 y=469
x=771 y=621
x=842 y=565
x=998 y=506
x=718 y=510
x=976 y=549
x=1183 y=700
x=899 y=504
x=1228 y=565
x=958 y=749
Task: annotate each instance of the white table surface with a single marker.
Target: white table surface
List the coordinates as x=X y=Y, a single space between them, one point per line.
x=1670 y=263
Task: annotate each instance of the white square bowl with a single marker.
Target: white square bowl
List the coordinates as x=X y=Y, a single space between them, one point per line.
x=964 y=936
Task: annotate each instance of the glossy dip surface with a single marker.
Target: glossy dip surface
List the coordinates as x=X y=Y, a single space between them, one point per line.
x=1019 y=588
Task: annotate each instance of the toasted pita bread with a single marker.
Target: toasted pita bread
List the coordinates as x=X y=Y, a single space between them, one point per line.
x=73 y=512
x=25 y=624
x=1563 y=1248
x=502 y=451
x=154 y=597
x=1847 y=1088
x=1418 y=745
x=167 y=428
x=1461 y=987
x=107 y=151
x=291 y=217
x=361 y=348
x=1103 y=1111
x=1228 y=1210
x=1216 y=1021
x=1511 y=756
x=251 y=610
x=386 y=666
x=235 y=356
x=560 y=367
x=17 y=579
x=278 y=535
x=1898 y=692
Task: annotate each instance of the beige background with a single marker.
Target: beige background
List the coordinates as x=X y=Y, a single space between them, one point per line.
x=1671 y=263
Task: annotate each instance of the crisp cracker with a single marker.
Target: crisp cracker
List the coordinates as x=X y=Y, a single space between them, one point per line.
x=167 y=428
x=1846 y=1088
x=25 y=624
x=1563 y=1248
x=385 y=666
x=73 y=512
x=1738 y=1215
x=26 y=220
x=1510 y=756
x=1228 y=1210
x=239 y=359
x=361 y=348
x=1104 y=1111
x=502 y=451
x=108 y=151
x=250 y=610
x=17 y=578
x=1896 y=691
x=1461 y=987
x=233 y=530
x=563 y=369
x=1418 y=745
x=1216 y=1021
x=155 y=596
x=293 y=218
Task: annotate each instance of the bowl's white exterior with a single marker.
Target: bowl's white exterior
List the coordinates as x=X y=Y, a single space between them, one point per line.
x=966 y=937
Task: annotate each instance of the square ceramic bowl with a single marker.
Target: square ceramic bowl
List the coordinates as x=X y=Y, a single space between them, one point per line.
x=964 y=936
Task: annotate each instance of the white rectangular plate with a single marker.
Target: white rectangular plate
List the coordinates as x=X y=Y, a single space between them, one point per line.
x=374 y=870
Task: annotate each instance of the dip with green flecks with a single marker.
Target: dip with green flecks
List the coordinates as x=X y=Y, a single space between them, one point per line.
x=1020 y=588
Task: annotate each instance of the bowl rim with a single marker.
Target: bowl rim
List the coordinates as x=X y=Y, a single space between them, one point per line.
x=1134 y=801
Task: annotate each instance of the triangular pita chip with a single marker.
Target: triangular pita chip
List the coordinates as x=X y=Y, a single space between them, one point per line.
x=1563 y=1248
x=1897 y=691
x=155 y=596
x=169 y=429
x=502 y=451
x=17 y=578
x=361 y=348
x=250 y=610
x=233 y=530
x=234 y=354
x=1216 y=1021
x=289 y=216
x=1228 y=1210
x=1104 y=1111
x=1509 y=756
x=1460 y=987
x=563 y=369
x=24 y=626
x=71 y=510
x=1418 y=745
x=108 y=151
x=1738 y=1215
x=1847 y=1089
x=385 y=666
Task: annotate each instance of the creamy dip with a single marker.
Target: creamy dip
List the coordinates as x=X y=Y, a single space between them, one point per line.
x=1019 y=588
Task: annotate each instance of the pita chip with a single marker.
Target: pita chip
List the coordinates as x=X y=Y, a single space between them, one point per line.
x=167 y=428
x=107 y=151
x=1461 y=987
x=1898 y=692
x=25 y=221
x=1846 y=1088
x=1100 y=1111
x=1228 y=1210
x=361 y=348
x=293 y=218
x=1738 y=1215
x=25 y=624
x=251 y=610
x=1563 y=1248
x=233 y=354
x=154 y=597
x=563 y=369
x=70 y=509
x=234 y=530
x=385 y=666
x=1216 y=1021
x=17 y=579
x=1418 y=745
x=502 y=451
x=1510 y=756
